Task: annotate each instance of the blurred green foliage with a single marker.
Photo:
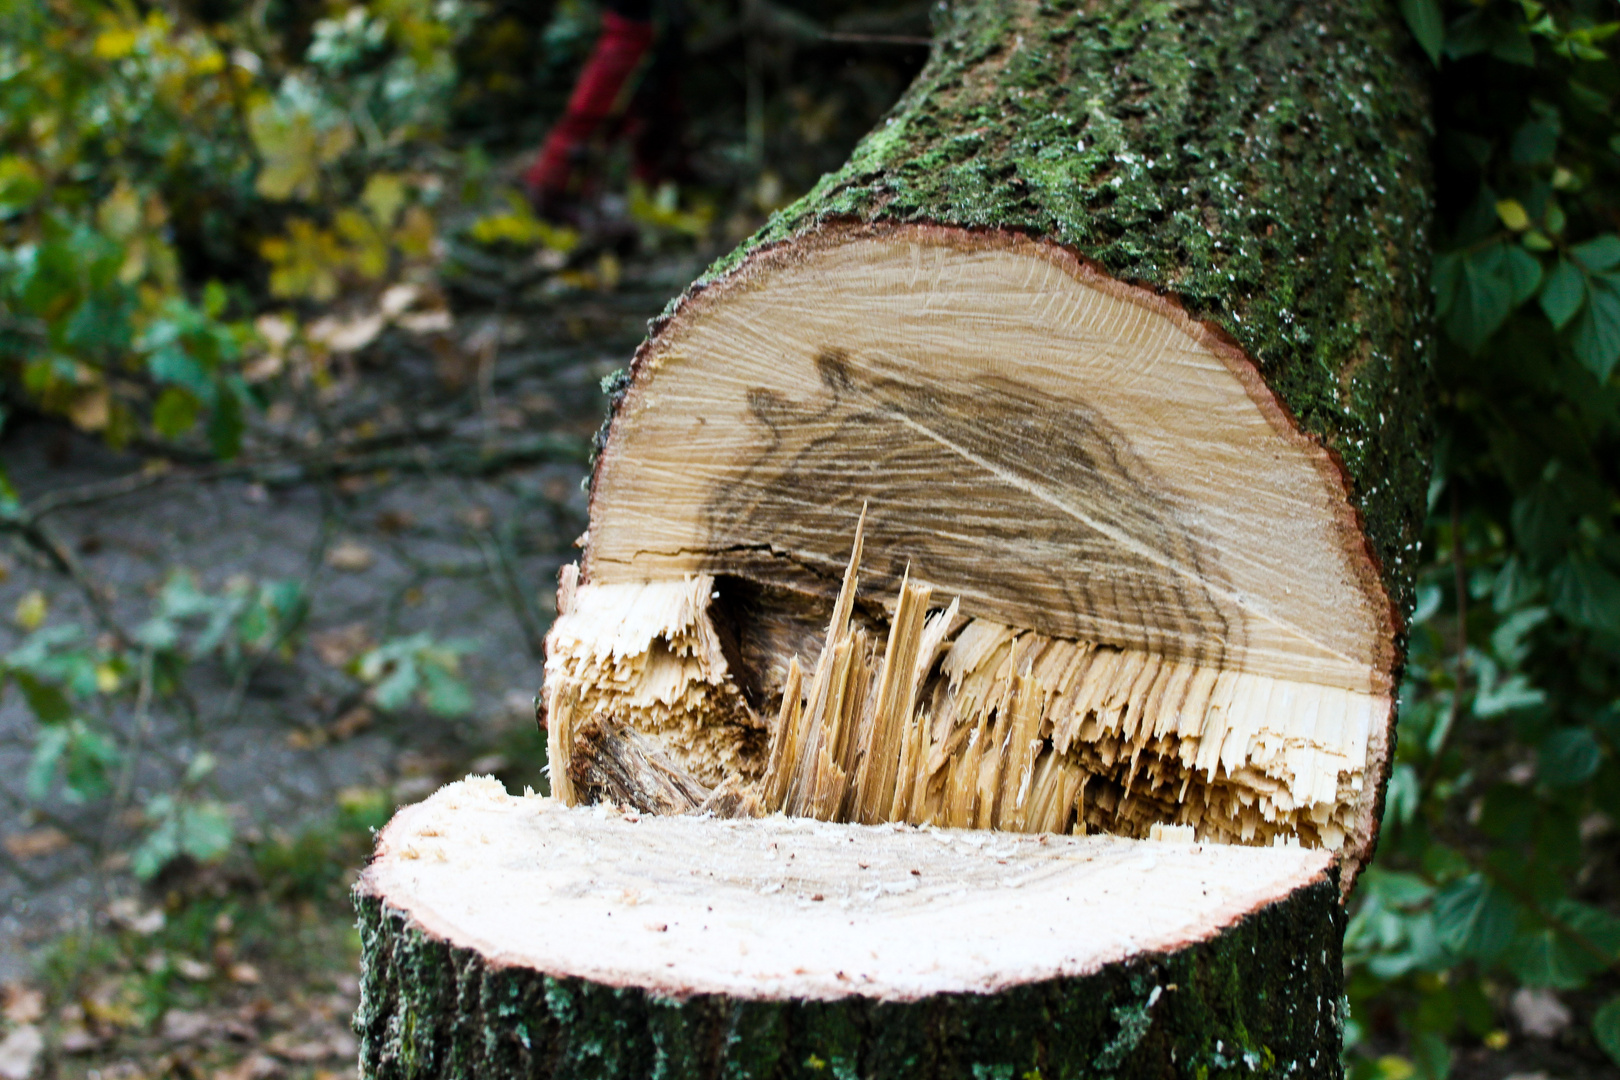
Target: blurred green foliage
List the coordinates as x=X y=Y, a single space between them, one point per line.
x=1497 y=867
x=149 y=161
x=80 y=690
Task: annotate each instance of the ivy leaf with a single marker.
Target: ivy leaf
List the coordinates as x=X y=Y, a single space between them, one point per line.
x=445 y=694
x=176 y=412
x=1586 y=593
x=49 y=704
x=1563 y=293
x=205 y=831
x=1474 y=918
x=1597 y=336
x=1598 y=254
x=395 y=689
x=1606 y=1029
x=1480 y=297
x=1535 y=142
x=1427 y=24
x=1523 y=272
x=1569 y=757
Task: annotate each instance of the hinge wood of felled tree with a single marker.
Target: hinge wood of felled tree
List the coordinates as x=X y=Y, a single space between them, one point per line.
x=983 y=657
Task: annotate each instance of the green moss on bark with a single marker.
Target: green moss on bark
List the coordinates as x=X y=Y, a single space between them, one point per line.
x=1262 y=999
x=1263 y=161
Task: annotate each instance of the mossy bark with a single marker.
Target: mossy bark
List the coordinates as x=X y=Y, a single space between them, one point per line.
x=1264 y=162
x=1262 y=998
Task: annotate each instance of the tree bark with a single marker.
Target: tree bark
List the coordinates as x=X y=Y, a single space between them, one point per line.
x=1263 y=999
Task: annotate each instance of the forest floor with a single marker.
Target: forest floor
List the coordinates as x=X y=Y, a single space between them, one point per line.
x=441 y=495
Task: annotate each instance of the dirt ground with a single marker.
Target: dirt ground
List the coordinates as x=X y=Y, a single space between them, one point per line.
x=457 y=498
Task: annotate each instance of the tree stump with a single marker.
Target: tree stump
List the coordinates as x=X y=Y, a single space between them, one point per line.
x=982 y=661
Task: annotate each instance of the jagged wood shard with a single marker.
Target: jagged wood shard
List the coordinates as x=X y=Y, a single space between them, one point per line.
x=983 y=726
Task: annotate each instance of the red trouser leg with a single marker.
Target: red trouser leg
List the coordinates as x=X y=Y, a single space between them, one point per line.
x=600 y=94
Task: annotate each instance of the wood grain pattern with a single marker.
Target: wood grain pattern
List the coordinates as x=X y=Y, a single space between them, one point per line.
x=1058 y=451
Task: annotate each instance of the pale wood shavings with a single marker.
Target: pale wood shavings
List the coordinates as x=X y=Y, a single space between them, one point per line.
x=963 y=724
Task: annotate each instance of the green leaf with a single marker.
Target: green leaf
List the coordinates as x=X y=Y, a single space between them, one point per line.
x=80 y=757
x=1474 y=918
x=1563 y=293
x=446 y=695
x=1606 y=1028
x=162 y=845
x=1475 y=293
x=1569 y=757
x=225 y=425
x=1523 y=273
x=395 y=689
x=1428 y=26
x=48 y=750
x=1597 y=335
x=205 y=831
x=1544 y=957
x=1535 y=142
x=47 y=701
x=175 y=413
x=1598 y=254
x=1586 y=593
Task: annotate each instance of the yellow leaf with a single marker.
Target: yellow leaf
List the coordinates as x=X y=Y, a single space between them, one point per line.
x=116 y=44
x=107 y=679
x=1513 y=215
x=368 y=248
x=30 y=611
x=293 y=150
x=119 y=214
x=1392 y=1067
x=384 y=197
x=417 y=237
x=90 y=411
x=303 y=263
x=211 y=62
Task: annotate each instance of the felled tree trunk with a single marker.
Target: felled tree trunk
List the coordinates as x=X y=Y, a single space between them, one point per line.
x=1027 y=514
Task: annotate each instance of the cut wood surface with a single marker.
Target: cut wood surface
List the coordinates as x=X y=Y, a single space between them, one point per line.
x=525 y=938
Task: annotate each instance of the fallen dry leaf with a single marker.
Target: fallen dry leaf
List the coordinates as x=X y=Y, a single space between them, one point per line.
x=427 y=322
x=127 y=914
x=36 y=843
x=398 y=299
x=276 y=330
x=351 y=556
x=346 y=335
x=396 y=521
x=195 y=970
x=253 y=1067
x=20 y=1052
x=244 y=973
x=22 y=1003
x=78 y=1039
x=186 y=1025
x=340 y=646
x=350 y=723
